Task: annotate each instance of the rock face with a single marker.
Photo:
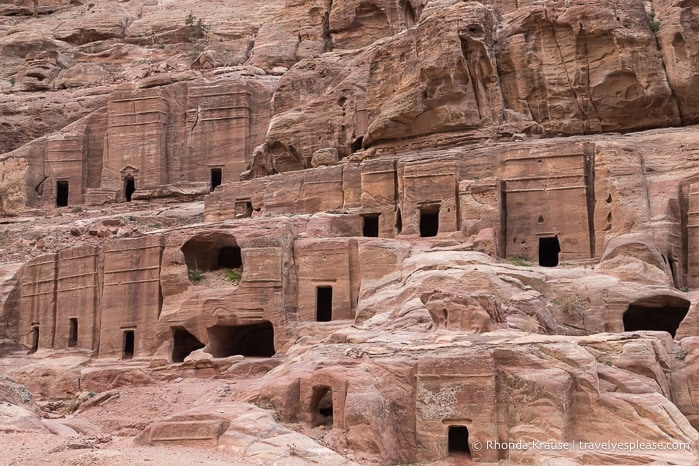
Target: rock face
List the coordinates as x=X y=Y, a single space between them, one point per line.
x=407 y=229
x=236 y=427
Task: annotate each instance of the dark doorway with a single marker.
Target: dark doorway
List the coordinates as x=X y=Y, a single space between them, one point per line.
x=128 y=347
x=216 y=177
x=458 y=440
x=549 y=248
x=324 y=303
x=371 y=225
x=72 y=333
x=357 y=144
x=229 y=257
x=183 y=344
x=212 y=251
x=243 y=209
x=661 y=313
x=322 y=406
x=129 y=187
x=399 y=222
x=62 y=189
x=35 y=340
x=255 y=340
x=429 y=221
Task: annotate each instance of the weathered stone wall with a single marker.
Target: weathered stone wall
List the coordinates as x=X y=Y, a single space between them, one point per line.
x=131 y=296
x=548 y=196
x=66 y=162
x=136 y=139
x=330 y=263
x=430 y=186
x=77 y=297
x=218 y=125
x=37 y=305
x=456 y=392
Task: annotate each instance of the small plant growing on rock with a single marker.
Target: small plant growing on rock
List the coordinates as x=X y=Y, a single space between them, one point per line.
x=195 y=275
x=233 y=276
x=681 y=354
x=520 y=261
x=197 y=27
x=652 y=22
x=571 y=305
x=531 y=324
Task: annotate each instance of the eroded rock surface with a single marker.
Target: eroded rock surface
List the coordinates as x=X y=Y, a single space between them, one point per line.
x=348 y=232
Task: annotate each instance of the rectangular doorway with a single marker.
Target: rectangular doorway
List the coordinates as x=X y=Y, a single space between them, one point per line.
x=370 y=227
x=62 y=189
x=128 y=345
x=549 y=249
x=35 y=339
x=324 y=303
x=429 y=221
x=216 y=177
x=72 y=332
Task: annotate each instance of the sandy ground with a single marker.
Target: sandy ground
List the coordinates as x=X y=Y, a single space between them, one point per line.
x=120 y=420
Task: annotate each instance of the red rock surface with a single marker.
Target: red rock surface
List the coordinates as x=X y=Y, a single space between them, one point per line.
x=348 y=232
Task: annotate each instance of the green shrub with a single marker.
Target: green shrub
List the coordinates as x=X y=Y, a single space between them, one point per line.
x=195 y=275
x=197 y=27
x=652 y=22
x=232 y=275
x=520 y=261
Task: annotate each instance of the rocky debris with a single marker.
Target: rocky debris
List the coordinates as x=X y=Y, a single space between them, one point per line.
x=324 y=157
x=238 y=428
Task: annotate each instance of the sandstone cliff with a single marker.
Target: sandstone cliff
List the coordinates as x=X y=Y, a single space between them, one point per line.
x=432 y=231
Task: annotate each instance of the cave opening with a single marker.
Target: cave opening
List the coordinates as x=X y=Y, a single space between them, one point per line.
x=409 y=13
x=254 y=340
x=370 y=227
x=243 y=209
x=62 y=190
x=458 y=440
x=230 y=257
x=129 y=187
x=324 y=303
x=660 y=313
x=357 y=144
x=183 y=344
x=549 y=249
x=73 y=332
x=128 y=344
x=35 y=339
x=322 y=406
x=216 y=177
x=212 y=251
x=429 y=221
